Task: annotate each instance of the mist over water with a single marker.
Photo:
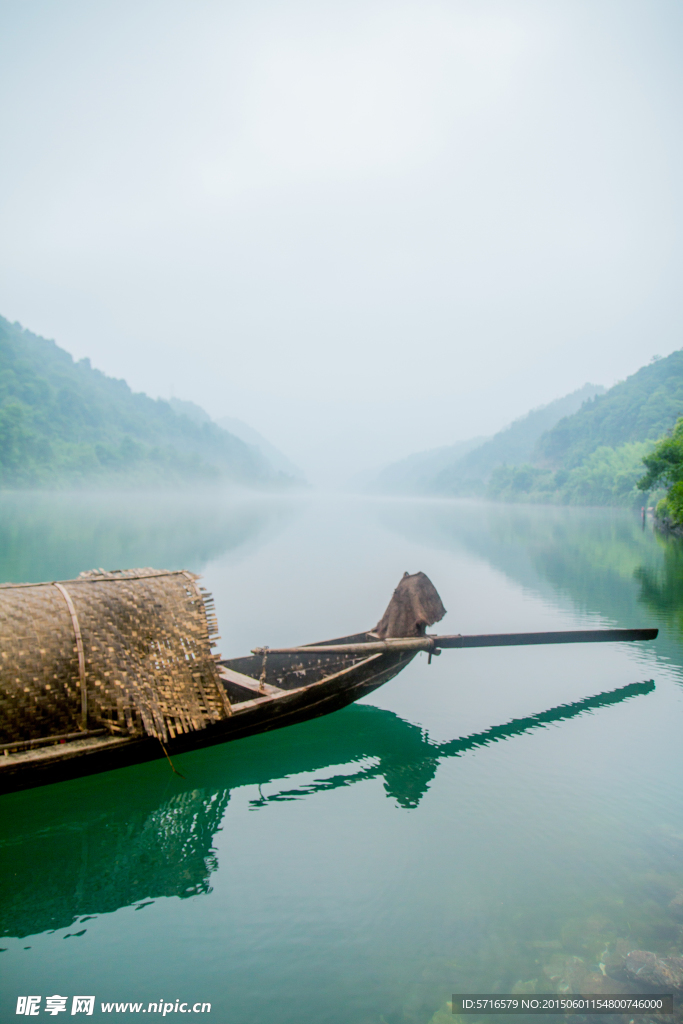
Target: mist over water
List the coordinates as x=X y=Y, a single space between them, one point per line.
x=57 y=535
x=476 y=823
x=364 y=228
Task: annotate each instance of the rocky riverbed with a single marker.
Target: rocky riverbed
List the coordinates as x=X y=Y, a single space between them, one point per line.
x=620 y=967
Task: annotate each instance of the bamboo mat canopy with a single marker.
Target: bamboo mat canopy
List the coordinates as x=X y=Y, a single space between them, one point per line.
x=128 y=651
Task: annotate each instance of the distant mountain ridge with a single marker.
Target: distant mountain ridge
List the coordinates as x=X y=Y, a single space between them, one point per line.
x=584 y=449
x=238 y=428
x=640 y=408
x=512 y=446
x=64 y=423
x=465 y=468
x=416 y=473
x=595 y=456
x=250 y=436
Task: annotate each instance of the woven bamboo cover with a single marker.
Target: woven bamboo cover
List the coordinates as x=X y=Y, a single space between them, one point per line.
x=127 y=651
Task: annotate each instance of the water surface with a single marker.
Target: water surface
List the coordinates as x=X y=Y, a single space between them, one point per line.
x=488 y=821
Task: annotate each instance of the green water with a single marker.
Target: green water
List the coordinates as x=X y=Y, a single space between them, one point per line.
x=472 y=826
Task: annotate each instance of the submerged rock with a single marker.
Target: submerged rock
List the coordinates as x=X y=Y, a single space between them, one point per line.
x=597 y=983
x=523 y=987
x=566 y=973
x=649 y=970
x=613 y=959
x=676 y=906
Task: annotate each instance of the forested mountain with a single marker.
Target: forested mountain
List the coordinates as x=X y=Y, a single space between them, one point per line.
x=595 y=457
x=640 y=408
x=193 y=411
x=464 y=468
x=584 y=449
x=63 y=422
x=511 y=446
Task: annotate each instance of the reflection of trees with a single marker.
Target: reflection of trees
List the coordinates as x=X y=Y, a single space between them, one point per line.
x=96 y=844
x=97 y=860
x=661 y=586
x=56 y=536
x=592 y=559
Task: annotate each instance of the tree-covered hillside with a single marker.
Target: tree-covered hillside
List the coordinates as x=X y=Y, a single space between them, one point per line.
x=511 y=446
x=598 y=455
x=664 y=465
x=63 y=423
x=465 y=467
x=640 y=408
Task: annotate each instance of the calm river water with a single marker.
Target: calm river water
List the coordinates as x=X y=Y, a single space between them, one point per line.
x=446 y=835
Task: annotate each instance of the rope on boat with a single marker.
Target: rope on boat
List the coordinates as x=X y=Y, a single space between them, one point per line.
x=262 y=680
x=169 y=759
x=81 y=654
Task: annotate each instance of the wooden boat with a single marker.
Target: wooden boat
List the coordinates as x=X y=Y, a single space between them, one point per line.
x=273 y=688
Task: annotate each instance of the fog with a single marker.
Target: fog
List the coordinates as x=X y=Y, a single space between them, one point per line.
x=365 y=228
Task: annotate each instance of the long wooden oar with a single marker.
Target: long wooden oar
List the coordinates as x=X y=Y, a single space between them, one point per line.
x=571 y=636
x=436 y=643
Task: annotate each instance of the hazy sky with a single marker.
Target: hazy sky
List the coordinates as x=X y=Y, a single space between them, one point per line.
x=364 y=227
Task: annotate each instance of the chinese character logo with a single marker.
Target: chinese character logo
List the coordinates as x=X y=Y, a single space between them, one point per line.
x=29 y=1005
x=55 y=1004
x=83 y=1004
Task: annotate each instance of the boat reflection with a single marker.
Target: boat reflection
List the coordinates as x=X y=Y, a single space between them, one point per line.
x=408 y=780
x=121 y=838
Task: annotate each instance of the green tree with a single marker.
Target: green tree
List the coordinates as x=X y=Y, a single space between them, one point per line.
x=664 y=467
x=608 y=476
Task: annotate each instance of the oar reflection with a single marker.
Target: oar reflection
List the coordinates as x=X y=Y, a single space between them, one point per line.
x=408 y=781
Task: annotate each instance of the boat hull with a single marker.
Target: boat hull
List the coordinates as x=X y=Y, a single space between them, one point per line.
x=91 y=756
